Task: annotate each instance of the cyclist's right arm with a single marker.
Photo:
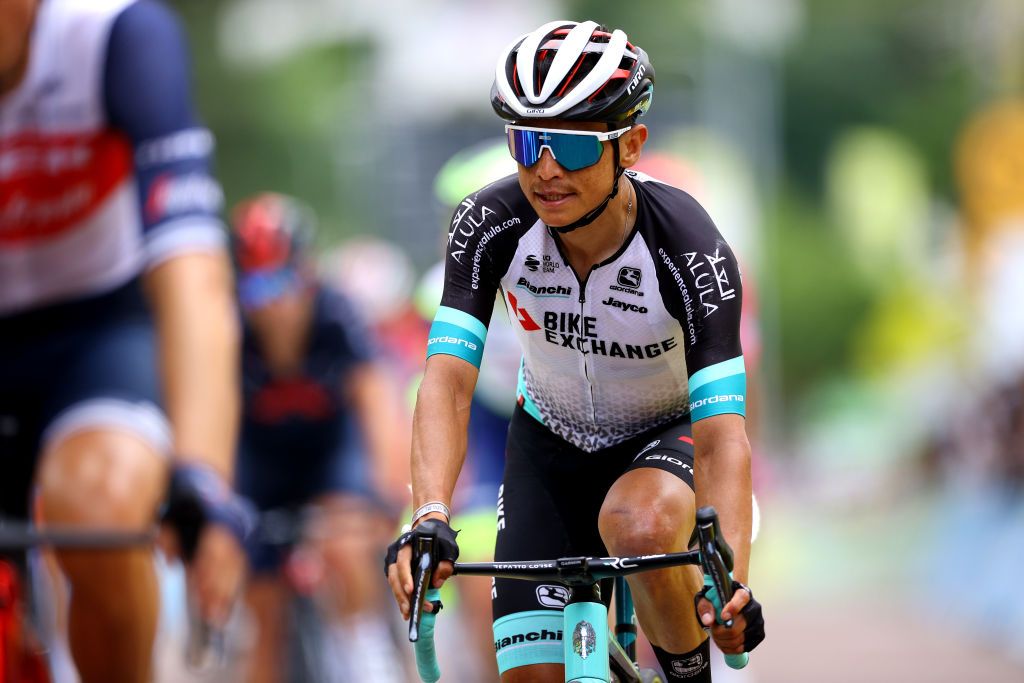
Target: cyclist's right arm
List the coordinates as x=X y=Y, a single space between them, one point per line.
x=440 y=426
x=485 y=230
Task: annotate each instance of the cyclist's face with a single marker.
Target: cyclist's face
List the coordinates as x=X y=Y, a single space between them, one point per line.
x=15 y=28
x=283 y=320
x=559 y=196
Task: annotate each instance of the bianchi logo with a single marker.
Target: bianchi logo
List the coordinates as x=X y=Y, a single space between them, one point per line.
x=551 y=595
x=686 y=668
x=528 y=637
x=584 y=639
x=532 y=263
x=560 y=291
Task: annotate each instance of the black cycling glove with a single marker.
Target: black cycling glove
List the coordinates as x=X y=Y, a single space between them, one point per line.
x=198 y=496
x=753 y=634
x=445 y=546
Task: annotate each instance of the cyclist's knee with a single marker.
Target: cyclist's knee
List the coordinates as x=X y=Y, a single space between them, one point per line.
x=102 y=478
x=536 y=673
x=634 y=522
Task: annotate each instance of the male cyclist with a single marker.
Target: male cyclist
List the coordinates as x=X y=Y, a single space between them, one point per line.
x=626 y=301
x=118 y=341
x=313 y=391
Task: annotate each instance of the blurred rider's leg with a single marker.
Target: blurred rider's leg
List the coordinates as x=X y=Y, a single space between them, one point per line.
x=348 y=535
x=267 y=597
x=95 y=476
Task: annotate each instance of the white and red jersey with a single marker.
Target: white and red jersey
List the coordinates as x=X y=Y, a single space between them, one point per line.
x=104 y=171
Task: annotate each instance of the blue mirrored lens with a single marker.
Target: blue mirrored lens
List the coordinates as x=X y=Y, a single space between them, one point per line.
x=572 y=152
x=259 y=288
x=525 y=146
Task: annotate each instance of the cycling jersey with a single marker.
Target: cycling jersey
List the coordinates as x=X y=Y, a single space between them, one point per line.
x=296 y=413
x=298 y=440
x=104 y=171
x=646 y=336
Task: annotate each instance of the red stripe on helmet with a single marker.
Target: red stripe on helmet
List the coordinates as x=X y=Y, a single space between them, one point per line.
x=579 y=63
x=619 y=73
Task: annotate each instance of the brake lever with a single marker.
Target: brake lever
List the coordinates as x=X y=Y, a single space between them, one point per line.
x=423 y=556
x=716 y=556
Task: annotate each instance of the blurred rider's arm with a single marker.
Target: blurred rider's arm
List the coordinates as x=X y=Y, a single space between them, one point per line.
x=384 y=424
x=188 y=275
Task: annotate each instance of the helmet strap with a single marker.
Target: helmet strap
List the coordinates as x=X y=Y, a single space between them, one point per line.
x=590 y=216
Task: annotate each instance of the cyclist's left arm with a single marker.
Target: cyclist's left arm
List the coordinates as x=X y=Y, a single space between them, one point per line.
x=374 y=393
x=722 y=480
x=187 y=273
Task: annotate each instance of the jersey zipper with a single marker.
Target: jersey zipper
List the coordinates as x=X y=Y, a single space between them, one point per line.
x=583 y=300
x=586 y=356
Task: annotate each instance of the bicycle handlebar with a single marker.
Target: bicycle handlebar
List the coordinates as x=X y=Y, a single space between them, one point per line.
x=23 y=537
x=577 y=571
x=426 y=654
x=713 y=555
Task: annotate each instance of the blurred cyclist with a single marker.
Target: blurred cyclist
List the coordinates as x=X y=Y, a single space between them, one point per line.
x=626 y=302
x=310 y=377
x=118 y=339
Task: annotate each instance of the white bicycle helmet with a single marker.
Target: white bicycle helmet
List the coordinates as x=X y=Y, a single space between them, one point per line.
x=576 y=71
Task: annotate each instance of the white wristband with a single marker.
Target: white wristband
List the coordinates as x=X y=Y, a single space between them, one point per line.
x=432 y=506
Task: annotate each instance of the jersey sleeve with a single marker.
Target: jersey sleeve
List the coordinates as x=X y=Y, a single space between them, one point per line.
x=700 y=283
x=482 y=239
x=146 y=92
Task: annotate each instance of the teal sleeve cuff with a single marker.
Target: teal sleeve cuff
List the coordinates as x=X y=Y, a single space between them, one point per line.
x=457 y=334
x=717 y=389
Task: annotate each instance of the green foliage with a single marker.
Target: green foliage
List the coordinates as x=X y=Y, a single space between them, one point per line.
x=875 y=62
x=276 y=127
x=821 y=297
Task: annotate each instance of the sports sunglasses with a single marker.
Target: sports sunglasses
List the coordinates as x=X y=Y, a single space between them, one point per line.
x=259 y=288
x=572 y=149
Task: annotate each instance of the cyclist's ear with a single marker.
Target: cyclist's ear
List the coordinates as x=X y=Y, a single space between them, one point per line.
x=631 y=144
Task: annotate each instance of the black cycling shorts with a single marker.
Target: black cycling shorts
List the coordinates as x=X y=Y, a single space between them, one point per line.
x=548 y=508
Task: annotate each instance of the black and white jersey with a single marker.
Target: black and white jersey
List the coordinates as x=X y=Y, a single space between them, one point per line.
x=648 y=335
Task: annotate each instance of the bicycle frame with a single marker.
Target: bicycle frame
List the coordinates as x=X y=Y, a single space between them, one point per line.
x=591 y=654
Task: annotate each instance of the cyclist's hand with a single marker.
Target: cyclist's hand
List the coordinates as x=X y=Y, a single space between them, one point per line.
x=210 y=523
x=216 y=573
x=398 y=561
x=747 y=629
